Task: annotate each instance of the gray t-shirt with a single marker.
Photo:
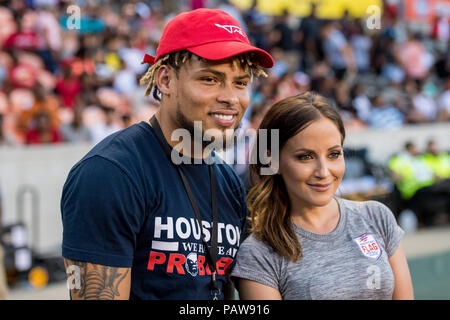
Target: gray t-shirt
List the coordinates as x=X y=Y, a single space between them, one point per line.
x=351 y=262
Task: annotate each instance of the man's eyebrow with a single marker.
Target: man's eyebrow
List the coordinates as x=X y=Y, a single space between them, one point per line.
x=244 y=76
x=222 y=74
x=208 y=70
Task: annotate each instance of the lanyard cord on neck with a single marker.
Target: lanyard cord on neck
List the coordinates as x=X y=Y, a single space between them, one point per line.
x=211 y=254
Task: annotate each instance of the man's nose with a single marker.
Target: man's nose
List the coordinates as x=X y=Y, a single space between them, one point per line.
x=228 y=95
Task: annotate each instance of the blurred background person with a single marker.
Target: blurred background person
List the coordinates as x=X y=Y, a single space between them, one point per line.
x=361 y=102
x=106 y=126
x=337 y=50
x=384 y=115
x=444 y=103
x=68 y=87
x=76 y=131
x=6 y=139
x=41 y=130
x=414 y=57
x=437 y=160
x=44 y=103
x=417 y=187
x=308 y=39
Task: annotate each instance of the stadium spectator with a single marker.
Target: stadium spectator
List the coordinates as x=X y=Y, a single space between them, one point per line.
x=337 y=50
x=444 y=102
x=282 y=34
x=256 y=24
x=361 y=102
x=440 y=29
x=416 y=185
x=76 y=131
x=308 y=39
x=414 y=57
x=438 y=161
x=105 y=127
x=21 y=74
x=424 y=106
x=125 y=79
x=361 y=44
x=384 y=115
x=43 y=102
x=6 y=139
x=41 y=131
x=25 y=38
x=409 y=172
x=68 y=87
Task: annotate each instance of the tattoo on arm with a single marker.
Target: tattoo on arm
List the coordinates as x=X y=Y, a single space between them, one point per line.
x=98 y=282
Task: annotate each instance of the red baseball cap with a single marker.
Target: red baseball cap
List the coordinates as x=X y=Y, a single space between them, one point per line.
x=209 y=33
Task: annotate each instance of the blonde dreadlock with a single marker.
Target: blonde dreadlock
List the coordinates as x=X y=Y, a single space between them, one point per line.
x=245 y=60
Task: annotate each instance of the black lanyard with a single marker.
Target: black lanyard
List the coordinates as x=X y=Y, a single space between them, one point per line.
x=211 y=254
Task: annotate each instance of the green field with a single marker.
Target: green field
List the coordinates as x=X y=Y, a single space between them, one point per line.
x=431 y=276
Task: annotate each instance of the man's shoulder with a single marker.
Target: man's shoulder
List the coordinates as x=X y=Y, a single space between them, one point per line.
x=123 y=144
x=126 y=149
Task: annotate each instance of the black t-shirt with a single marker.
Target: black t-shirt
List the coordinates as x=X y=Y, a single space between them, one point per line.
x=124 y=205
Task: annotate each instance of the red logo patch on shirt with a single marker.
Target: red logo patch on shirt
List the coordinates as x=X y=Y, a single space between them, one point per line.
x=368 y=246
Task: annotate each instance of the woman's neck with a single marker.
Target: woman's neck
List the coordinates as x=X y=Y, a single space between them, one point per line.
x=316 y=219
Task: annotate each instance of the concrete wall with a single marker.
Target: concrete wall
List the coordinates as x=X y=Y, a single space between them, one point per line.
x=40 y=168
x=45 y=168
x=383 y=144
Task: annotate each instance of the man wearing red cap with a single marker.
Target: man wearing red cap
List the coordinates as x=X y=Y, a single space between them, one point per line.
x=137 y=224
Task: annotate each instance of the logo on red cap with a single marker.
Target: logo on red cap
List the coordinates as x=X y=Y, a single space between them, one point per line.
x=232 y=29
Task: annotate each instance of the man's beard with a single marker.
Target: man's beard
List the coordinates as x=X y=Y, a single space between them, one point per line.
x=228 y=140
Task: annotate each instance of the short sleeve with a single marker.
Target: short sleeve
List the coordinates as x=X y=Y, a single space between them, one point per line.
x=102 y=213
x=257 y=262
x=390 y=230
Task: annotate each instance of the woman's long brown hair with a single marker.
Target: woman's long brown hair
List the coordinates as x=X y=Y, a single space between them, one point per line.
x=268 y=200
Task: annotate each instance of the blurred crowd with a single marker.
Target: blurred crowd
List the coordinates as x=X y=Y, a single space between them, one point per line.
x=421 y=182
x=63 y=80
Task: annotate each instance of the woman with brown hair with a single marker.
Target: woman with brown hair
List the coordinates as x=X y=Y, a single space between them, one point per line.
x=305 y=242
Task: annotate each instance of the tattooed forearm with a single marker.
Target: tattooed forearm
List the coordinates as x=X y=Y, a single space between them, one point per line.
x=100 y=282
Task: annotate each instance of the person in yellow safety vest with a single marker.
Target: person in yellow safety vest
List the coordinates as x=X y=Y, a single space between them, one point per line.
x=410 y=172
x=439 y=162
x=422 y=190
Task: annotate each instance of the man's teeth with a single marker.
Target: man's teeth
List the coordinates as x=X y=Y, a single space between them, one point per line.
x=222 y=116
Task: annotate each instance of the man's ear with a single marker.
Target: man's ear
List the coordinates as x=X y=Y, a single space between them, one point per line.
x=164 y=76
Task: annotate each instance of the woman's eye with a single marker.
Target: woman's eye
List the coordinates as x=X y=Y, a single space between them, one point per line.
x=304 y=157
x=335 y=155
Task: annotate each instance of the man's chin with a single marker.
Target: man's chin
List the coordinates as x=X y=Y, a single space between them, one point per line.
x=218 y=139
